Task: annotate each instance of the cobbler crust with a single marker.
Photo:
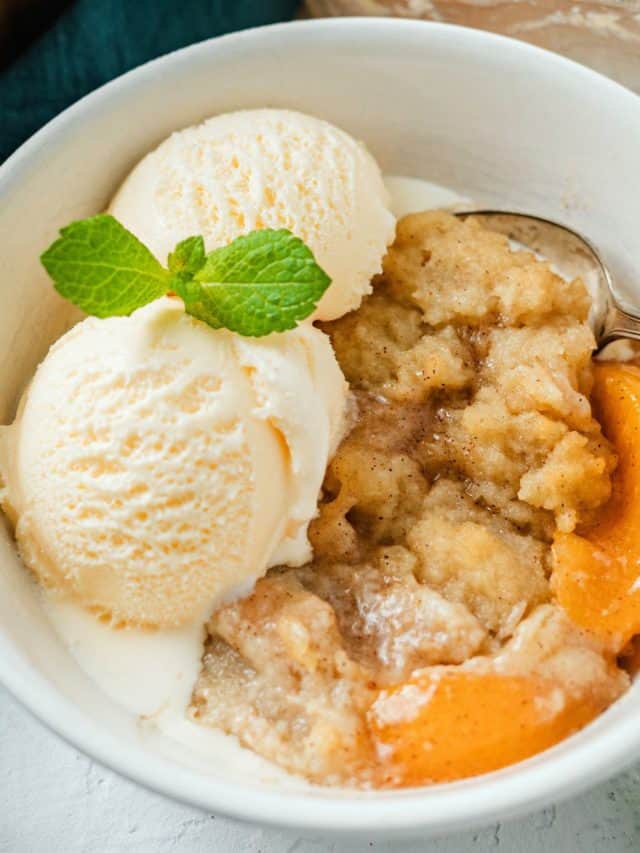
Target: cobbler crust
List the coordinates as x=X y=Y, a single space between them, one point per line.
x=474 y=442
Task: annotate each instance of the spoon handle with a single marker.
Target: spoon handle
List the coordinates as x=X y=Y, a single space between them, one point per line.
x=618 y=324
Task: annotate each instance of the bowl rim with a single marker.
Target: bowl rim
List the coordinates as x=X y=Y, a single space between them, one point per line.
x=569 y=768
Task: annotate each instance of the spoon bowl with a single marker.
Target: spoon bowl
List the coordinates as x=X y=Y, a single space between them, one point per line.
x=570 y=254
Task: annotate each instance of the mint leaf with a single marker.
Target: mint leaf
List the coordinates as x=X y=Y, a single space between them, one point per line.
x=266 y=281
x=187 y=257
x=103 y=268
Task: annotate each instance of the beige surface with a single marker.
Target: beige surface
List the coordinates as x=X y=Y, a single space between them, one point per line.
x=604 y=35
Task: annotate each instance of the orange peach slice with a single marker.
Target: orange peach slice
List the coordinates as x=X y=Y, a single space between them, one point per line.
x=596 y=575
x=449 y=725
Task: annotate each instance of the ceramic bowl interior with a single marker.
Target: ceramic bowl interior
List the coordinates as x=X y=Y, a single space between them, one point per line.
x=497 y=120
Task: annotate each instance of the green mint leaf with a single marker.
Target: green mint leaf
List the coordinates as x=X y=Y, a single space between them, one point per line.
x=266 y=281
x=103 y=268
x=187 y=257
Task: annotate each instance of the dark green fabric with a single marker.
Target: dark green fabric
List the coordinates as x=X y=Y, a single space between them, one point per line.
x=95 y=40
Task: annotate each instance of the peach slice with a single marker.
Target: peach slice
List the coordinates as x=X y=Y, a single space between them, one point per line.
x=596 y=575
x=469 y=723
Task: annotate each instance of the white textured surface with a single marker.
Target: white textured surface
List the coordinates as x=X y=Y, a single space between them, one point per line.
x=54 y=799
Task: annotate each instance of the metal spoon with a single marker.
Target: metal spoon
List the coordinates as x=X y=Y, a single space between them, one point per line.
x=572 y=255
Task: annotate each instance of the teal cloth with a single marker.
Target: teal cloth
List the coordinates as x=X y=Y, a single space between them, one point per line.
x=95 y=40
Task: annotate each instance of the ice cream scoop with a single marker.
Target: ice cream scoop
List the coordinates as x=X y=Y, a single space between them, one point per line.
x=266 y=169
x=157 y=466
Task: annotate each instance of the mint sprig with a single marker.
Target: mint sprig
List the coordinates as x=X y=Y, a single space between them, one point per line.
x=266 y=281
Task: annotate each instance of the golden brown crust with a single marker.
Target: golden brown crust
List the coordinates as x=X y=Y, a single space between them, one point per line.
x=471 y=369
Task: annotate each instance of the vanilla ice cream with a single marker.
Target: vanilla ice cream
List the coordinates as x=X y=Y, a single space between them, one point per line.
x=158 y=466
x=266 y=169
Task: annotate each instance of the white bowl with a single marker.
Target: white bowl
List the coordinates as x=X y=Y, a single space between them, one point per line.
x=499 y=121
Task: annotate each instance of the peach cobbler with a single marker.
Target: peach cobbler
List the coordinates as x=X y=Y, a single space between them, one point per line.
x=433 y=635
x=347 y=488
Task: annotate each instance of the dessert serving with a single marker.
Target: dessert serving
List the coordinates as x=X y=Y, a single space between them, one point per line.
x=349 y=489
